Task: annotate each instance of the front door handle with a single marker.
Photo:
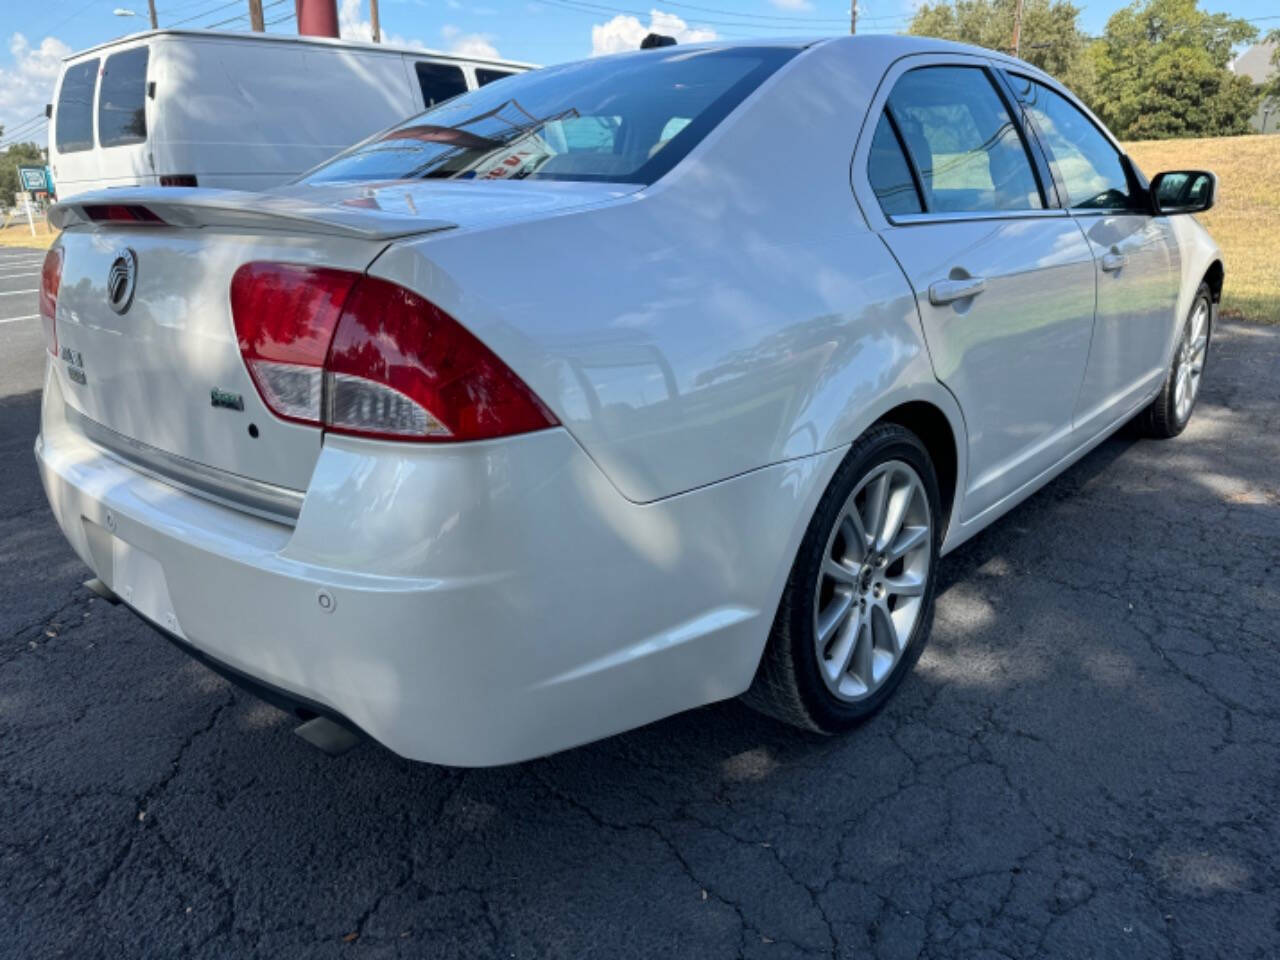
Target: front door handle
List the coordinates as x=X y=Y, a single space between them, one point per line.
x=1114 y=261
x=943 y=292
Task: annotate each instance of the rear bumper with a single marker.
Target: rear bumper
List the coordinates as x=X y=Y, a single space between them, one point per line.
x=473 y=605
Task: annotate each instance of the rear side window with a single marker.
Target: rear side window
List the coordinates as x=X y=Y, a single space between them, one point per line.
x=439 y=82
x=485 y=75
x=889 y=173
x=969 y=154
x=122 y=101
x=73 y=115
x=1087 y=164
x=624 y=119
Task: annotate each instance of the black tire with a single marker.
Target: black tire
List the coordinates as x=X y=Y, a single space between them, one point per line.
x=787 y=684
x=1160 y=419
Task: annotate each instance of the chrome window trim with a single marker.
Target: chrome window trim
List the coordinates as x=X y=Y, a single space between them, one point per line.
x=912 y=219
x=266 y=500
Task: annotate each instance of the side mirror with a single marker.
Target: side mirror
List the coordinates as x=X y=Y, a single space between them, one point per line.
x=1183 y=191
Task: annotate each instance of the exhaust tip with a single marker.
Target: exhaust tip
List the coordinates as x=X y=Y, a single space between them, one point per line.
x=102 y=590
x=333 y=738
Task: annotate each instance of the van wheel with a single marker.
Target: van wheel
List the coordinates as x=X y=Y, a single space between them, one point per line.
x=1170 y=412
x=858 y=605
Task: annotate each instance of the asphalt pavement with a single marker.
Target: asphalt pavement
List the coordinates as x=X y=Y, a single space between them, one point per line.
x=1085 y=764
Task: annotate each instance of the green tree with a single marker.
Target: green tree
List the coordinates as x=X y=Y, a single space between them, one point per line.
x=1161 y=69
x=19 y=154
x=1050 y=39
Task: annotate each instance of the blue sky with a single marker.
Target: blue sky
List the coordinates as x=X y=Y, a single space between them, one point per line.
x=540 y=31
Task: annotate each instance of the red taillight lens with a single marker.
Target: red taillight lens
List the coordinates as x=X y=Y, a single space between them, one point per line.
x=178 y=180
x=395 y=351
x=285 y=316
x=367 y=357
x=50 y=281
x=119 y=213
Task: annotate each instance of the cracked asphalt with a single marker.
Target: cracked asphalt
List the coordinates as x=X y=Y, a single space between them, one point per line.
x=1085 y=764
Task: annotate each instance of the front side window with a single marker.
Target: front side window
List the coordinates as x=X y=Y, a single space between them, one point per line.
x=969 y=153
x=623 y=119
x=439 y=82
x=73 y=115
x=1087 y=164
x=122 y=101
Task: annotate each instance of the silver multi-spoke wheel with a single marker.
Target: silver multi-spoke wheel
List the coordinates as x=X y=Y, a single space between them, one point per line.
x=871 y=585
x=1191 y=351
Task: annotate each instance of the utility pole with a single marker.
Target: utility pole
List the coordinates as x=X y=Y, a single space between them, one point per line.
x=373 y=21
x=255 y=16
x=853 y=16
x=151 y=8
x=1017 y=29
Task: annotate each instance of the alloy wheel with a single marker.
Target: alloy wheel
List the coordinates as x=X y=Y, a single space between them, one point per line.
x=1191 y=354
x=870 y=590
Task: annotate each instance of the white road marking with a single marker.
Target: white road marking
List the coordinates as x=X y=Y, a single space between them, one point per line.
x=14 y=293
x=33 y=316
x=12 y=276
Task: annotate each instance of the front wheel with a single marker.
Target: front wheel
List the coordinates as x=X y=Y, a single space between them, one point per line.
x=1170 y=412
x=858 y=605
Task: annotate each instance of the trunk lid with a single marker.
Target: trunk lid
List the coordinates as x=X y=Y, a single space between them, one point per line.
x=165 y=375
x=167 y=372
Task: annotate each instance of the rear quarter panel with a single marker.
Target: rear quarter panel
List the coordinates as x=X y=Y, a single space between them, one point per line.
x=737 y=313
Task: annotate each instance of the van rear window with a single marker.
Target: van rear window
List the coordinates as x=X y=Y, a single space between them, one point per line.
x=122 y=101
x=439 y=82
x=73 y=116
x=484 y=75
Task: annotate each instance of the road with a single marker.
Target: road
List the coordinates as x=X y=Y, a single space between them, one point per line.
x=1085 y=764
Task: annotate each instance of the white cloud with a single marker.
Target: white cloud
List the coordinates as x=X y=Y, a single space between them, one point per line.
x=792 y=4
x=352 y=26
x=625 y=33
x=28 y=85
x=468 y=44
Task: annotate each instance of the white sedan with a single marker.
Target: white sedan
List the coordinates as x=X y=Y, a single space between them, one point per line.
x=613 y=389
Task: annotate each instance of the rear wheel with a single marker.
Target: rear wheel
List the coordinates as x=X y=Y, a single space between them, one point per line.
x=1170 y=412
x=858 y=604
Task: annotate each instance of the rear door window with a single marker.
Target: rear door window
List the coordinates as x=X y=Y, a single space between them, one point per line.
x=73 y=115
x=122 y=101
x=889 y=173
x=969 y=153
x=439 y=82
x=485 y=75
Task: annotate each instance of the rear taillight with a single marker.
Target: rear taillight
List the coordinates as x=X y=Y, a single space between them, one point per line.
x=364 y=356
x=119 y=213
x=50 y=280
x=178 y=180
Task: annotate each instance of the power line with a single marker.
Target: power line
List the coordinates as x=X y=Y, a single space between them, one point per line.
x=24 y=138
x=243 y=16
x=595 y=9
x=204 y=13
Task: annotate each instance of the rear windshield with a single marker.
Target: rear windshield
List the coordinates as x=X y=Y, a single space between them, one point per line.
x=622 y=119
x=73 y=116
x=122 y=100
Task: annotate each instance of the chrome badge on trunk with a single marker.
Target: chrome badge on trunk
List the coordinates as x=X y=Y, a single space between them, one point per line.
x=121 y=279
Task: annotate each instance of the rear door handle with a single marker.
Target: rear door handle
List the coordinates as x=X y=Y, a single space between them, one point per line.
x=943 y=292
x=1114 y=261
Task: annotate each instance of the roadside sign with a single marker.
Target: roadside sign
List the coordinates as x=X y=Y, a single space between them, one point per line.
x=33 y=178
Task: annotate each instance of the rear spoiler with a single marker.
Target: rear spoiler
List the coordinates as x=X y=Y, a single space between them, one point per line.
x=194 y=207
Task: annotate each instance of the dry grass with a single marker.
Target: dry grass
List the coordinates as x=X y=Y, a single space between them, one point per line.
x=1246 y=219
x=18 y=234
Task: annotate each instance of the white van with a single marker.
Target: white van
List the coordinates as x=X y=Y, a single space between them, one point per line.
x=241 y=111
